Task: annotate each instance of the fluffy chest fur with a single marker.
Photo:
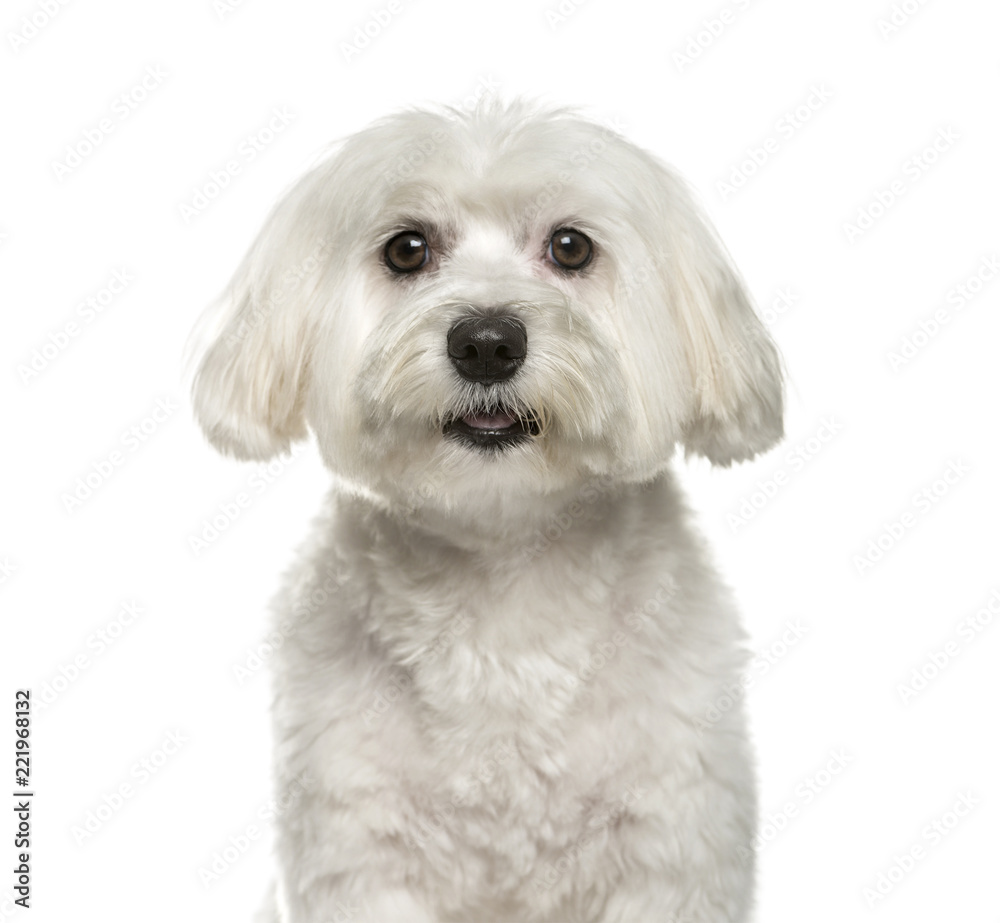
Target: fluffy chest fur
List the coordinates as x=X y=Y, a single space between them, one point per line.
x=495 y=722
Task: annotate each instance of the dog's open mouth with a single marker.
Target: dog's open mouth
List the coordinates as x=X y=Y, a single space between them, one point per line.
x=494 y=430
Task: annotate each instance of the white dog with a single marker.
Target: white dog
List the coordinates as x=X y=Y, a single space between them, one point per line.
x=501 y=692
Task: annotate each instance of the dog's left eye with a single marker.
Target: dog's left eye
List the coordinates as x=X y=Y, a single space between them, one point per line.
x=406 y=252
x=570 y=249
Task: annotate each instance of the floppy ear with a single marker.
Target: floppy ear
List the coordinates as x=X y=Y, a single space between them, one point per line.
x=734 y=406
x=248 y=391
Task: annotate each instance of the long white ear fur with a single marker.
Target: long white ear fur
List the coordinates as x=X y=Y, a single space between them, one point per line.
x=735 y=406
x=248 y=390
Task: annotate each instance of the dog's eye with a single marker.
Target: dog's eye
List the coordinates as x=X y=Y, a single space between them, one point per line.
x=570 y=249
x=406 y=252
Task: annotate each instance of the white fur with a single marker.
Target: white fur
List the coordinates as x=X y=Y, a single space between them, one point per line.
x=497 y=696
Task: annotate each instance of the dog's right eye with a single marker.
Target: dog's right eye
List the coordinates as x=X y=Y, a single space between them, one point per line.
x=570 y=249
x=406 y=252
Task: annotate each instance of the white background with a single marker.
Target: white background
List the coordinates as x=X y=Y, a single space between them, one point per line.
x=792 y=557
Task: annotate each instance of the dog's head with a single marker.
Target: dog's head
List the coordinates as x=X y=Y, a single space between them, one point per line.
x=504 y=301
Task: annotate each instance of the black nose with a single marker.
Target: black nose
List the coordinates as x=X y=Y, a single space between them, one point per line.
x=487 y=349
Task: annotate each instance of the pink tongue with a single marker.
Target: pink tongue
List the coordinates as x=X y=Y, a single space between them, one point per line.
x=489 y=421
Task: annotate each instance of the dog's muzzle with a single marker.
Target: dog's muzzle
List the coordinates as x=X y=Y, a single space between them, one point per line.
x=487 y=350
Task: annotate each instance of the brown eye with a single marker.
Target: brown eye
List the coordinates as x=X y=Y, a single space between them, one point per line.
x=406 y=252
x=570 y=249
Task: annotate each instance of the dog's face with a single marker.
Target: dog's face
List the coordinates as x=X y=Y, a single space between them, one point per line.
x=501 y=304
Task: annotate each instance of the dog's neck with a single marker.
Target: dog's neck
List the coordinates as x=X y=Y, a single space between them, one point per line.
x=504 y=612
x=513 y=528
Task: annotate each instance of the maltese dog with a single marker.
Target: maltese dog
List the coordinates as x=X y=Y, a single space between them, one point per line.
x=500 y=690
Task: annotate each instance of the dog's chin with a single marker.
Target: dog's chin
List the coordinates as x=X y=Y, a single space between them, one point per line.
x=491 y=432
